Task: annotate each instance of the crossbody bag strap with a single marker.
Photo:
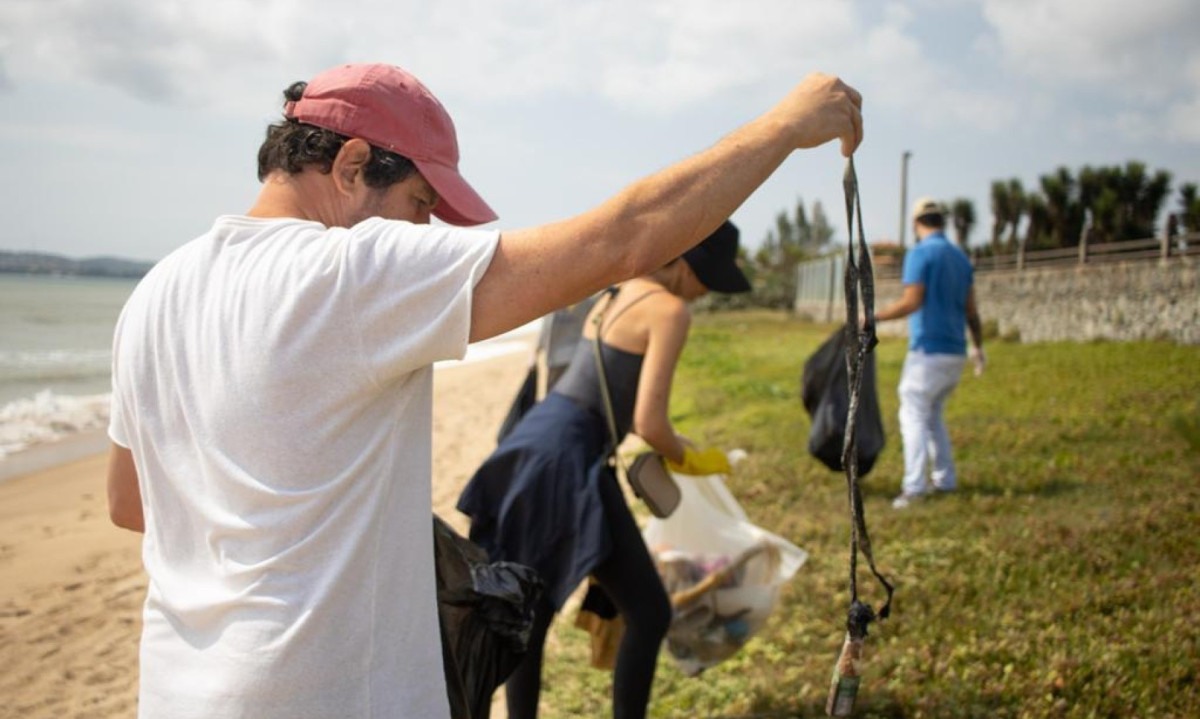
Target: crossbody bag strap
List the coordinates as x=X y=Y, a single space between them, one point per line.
x=608 y=409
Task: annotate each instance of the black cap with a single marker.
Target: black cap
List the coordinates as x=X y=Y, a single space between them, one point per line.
x=715 y=261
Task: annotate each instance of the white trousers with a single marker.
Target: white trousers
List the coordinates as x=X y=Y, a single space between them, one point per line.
x=926 y=382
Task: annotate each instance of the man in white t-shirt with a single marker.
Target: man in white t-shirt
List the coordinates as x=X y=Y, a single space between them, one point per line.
x=271 y=412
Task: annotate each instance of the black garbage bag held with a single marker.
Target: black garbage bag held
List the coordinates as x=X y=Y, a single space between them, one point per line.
x=825 y=392
x=485 y=613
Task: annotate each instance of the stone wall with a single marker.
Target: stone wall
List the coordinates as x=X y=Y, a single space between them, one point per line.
x=1109 y=301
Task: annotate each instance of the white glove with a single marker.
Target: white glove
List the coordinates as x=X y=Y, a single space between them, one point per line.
x=979 y=358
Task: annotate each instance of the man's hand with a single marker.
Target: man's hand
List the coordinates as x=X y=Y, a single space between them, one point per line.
x=979 y=358
x=822 y=108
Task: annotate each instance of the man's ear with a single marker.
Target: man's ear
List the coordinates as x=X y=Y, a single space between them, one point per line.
x=347 y=170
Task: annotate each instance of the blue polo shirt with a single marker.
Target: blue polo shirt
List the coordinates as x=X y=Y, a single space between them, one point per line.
x=939 y=327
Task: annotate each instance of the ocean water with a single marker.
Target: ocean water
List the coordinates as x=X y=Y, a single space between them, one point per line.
x=56 y=355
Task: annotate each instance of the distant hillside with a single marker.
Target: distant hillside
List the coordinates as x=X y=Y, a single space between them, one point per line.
x=37 y=263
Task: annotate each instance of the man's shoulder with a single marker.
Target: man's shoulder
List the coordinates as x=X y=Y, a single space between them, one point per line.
x=938 y=242
x=940 y=246
x=407 y=237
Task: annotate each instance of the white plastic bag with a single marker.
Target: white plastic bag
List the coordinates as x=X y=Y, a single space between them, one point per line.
x=722 y=571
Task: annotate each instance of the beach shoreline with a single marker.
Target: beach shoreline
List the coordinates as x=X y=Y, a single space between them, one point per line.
x=72 y=584
x=48 y=455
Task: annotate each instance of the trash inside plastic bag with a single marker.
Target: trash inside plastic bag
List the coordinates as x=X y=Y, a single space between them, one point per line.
x=485 y=612
x=723 y=572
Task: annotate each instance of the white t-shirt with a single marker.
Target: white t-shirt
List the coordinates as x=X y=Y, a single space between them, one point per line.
x=273 y=380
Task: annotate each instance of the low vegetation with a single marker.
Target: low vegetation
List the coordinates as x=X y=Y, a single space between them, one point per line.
x=1059 y=582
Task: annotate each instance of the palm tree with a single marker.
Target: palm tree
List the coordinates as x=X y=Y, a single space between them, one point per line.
x=1099 y=195
x=1038 y=233
x=1149 y=203
x=1058 y=191
x=1106 y=213
x=1189 y=207
x=1125 y=201
x=1016 y=207
x=1001 y=213
x=1130 y=184
x=962 y=212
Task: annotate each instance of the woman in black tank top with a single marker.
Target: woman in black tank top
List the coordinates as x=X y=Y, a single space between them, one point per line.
x=546 y=497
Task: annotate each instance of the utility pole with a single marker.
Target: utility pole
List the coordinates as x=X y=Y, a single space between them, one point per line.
x=903 y=196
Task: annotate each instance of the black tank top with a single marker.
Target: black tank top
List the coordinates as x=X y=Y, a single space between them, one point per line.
x=581 y=381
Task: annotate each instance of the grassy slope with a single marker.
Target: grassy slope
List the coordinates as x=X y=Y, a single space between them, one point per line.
x=1060 y=582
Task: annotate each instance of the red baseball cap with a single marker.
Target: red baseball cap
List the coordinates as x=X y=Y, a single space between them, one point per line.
x=392 y=110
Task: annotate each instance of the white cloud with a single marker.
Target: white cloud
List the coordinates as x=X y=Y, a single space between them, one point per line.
x=75 y=136
x=1132 y=49
x=1183 y=122
x=907 y=80
x=1014 y=87
x=162 y=51
x=653 y=55
x=1125 y=64
x=1183 y=115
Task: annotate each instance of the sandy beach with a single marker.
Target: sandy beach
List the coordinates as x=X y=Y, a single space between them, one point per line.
x=71 y=584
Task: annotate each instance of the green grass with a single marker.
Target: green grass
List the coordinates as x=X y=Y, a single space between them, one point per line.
x=1061 y=581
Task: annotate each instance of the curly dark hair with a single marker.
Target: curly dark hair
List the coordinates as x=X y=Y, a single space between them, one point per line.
x=292 y=145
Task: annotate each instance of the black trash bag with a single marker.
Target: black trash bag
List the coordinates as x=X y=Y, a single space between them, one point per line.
x=825 y=392
x=485 y=613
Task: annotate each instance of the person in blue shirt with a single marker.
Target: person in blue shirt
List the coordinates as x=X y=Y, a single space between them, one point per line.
x=939 y=300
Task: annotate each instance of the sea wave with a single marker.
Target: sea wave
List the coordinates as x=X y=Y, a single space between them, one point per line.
x=24 y=365
x=49 y=417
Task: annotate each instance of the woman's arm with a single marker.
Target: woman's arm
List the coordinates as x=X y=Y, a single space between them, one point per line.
x=667 y=330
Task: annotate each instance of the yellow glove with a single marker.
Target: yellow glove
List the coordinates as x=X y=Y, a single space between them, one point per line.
x=701 y=462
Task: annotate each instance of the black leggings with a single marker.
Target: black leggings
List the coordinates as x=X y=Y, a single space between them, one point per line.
x=629 y=578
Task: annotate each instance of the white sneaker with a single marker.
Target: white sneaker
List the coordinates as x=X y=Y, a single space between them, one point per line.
x=905 y=501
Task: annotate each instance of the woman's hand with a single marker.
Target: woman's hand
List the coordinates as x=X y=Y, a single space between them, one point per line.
x=701 y=462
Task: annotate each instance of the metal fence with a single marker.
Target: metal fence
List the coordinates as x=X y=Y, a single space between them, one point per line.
x=1152 y=248
x=819 y=286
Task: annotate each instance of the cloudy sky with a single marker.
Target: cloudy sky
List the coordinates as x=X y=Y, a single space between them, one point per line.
x=127 y=125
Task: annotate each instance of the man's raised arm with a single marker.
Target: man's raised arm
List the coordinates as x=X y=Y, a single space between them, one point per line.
x=657 y=218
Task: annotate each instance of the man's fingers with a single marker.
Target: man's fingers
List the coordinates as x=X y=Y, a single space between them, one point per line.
x=853 y=139
x=853 y=136
x=855 y=96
